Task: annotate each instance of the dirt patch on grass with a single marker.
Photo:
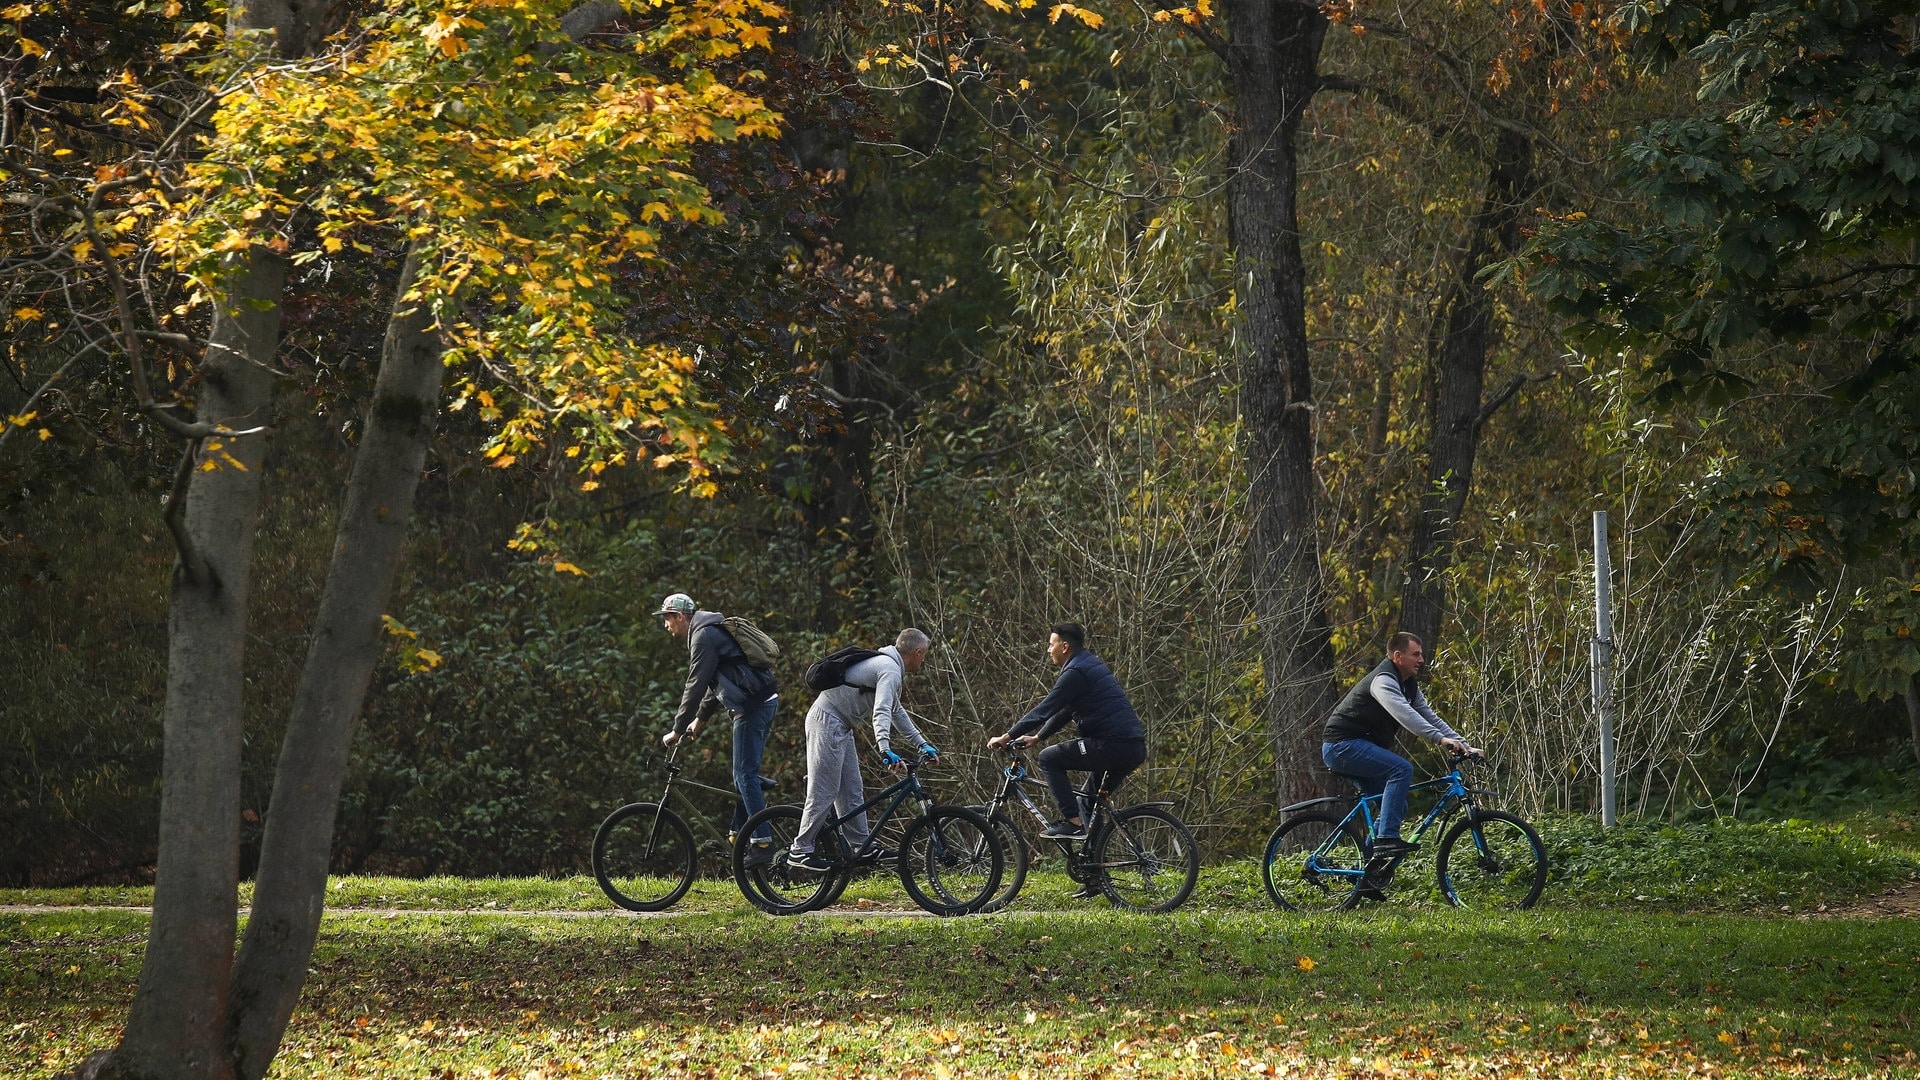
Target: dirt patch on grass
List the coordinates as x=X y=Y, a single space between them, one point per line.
x=1897 y=901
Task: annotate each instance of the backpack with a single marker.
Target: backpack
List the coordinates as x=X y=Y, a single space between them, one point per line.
x=759 y=649
x=831 y=670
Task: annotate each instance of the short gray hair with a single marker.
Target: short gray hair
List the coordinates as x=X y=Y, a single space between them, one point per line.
x=911 y=640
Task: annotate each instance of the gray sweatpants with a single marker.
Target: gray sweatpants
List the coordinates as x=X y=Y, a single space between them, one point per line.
x=833 y=780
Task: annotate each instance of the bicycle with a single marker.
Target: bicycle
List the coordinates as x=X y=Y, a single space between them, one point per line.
x=1140 y=857
x=949 y=859
x=1316 y=860
x=644 y=856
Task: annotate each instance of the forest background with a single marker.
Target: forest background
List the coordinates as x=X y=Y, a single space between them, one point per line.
x=972 y=330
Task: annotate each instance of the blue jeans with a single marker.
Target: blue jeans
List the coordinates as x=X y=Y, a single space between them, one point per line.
x=749 y=742
x=1378 y=771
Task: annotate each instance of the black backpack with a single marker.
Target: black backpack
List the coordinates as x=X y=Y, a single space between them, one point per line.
x=831 y=670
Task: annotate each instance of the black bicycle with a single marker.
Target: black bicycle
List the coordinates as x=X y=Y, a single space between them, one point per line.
x=949 y=859
x=1317 y=859
x=1139 y=857
x=644 y=854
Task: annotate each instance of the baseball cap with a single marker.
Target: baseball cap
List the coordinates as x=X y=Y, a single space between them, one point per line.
x=679 y=603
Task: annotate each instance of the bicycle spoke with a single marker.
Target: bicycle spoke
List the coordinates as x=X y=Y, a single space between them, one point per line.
x=1147 y=860
x=1313 y=862
x=1493 y=861
x=643 y=857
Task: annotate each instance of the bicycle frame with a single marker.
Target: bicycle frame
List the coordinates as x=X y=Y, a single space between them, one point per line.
x=714 y=838
x=1016 y=774
x=1455 y=795
x=898 y=792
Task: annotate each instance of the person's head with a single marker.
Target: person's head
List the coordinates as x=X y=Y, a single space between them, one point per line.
x=914 y=646
x=1066 y=639
x=676 y=613
x=1407 y=654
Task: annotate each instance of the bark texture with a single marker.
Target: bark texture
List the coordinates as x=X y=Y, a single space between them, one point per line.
x=1273 y=67
x=1456 y=405
x=174 y=1028
x=290 y=887
x=177 y=1025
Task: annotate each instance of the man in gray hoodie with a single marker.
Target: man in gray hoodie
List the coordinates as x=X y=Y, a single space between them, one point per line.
x=833 y=760
x=718 y=675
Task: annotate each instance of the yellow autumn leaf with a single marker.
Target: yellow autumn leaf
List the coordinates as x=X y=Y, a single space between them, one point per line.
x=83 y=251
x=1305 y=963
x=564 y=567
x=17 y=12
x=30 y=47
x=27 y=314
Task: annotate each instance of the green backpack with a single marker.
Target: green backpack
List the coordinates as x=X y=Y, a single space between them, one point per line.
x=759 y=649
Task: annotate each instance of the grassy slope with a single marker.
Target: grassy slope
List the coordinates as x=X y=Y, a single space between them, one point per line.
x=1392 y=991
x=1645 y=961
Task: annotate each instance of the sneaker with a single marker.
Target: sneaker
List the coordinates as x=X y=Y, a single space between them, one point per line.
x=733 y=838
x=811 y=861
x=1391 y=846
x=1087 y=892
x=759 y=853
x=1064 y=830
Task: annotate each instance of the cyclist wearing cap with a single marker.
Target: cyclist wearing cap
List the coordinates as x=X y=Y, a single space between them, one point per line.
x=1112 y=740
x=1360 y=734
x=718 y=675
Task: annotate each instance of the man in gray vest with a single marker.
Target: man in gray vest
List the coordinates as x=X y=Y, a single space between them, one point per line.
x=1359 y=740
x=872 y=687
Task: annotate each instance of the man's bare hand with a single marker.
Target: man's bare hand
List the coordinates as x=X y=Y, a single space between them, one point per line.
x=996 y=742
x=670 y=738
x=1027 y=740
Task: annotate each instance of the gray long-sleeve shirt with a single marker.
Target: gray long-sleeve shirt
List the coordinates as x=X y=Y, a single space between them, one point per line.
x=1416 y=715
x=873 y=685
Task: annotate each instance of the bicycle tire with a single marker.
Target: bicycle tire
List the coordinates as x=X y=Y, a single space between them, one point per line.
x=643 y=857
x=1146 y=860
x=1014 y=876
x=775 y=887
x=1503 y=867
x=1294 y=885
x=959 y=857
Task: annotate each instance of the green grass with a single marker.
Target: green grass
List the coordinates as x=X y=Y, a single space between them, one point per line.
x=1658 y=951
x=1387 y=992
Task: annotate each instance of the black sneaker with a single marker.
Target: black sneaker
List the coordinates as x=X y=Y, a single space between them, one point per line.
x=810 y=861
x=1391 y=846
x=759 y=853
x=1087 y=892
x=1064 y=830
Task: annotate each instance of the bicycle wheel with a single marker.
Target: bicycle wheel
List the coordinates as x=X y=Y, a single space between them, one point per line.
x=775 y=887
x=1313 y=862
x=1491 y=859
x=1146 y=860
x=950 y=861
x=1014 y=845
x=643 y=857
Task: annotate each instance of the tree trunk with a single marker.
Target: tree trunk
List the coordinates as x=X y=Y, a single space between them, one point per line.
x=1274 y=71
x=1455 y=410
x=174 y=1028
x=290 y=889
x=1913 y=714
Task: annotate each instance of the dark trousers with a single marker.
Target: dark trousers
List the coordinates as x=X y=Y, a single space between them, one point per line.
x=1108 y=760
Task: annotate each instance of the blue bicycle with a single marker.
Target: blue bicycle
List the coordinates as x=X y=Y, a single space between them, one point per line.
x=1316 y=860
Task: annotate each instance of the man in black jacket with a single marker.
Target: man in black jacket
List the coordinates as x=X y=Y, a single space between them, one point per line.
x=718 y=675
x=1112 y=740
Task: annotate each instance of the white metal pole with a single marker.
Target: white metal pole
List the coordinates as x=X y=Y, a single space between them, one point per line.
x=1603 y=662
